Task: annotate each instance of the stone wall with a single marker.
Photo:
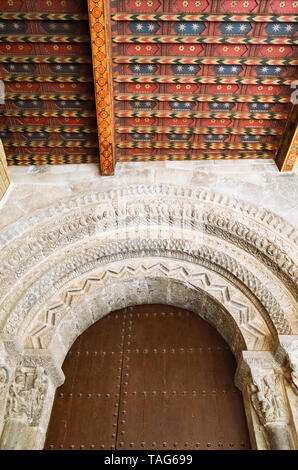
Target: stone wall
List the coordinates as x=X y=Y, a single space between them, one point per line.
x=255 y=181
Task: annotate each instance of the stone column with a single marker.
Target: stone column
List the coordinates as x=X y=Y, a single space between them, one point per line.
x=4 y=175
x=261 y=380
x=286 y=354
x=29 y=398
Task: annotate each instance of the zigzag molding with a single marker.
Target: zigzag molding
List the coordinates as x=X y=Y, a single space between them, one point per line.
x=58 y=272
x=97 y=219
x=243 y=312
x=77 y=235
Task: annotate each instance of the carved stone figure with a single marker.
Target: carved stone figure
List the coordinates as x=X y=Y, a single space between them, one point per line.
x=27 y=394
x=268 y=401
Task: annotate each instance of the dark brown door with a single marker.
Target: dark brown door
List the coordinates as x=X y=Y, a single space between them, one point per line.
x=149 y=377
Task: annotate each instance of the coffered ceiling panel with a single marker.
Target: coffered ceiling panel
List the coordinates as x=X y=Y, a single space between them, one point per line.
x=174 y=80
x=48 y=116
x=201 y=79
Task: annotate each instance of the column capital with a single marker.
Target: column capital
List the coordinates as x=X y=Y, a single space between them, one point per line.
x=42 y=358
x=12 y=353
x=261 y=379
x=262 y=376
x=254 y=364
x=286 y=354
x=27 y=387
x=10 y=348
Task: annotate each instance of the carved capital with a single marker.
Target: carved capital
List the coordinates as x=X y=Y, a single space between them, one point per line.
x=26 y=395
x=25 y=377
x=287 y=355
x=254 y=364
x=42 y=358
x=28 y=389
x=10 y=348
x=268 y=400
x=261 y=377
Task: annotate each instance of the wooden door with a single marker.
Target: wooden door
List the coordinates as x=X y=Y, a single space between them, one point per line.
x=149 y=377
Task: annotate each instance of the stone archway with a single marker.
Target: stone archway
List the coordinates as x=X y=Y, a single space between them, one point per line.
x=67 y=265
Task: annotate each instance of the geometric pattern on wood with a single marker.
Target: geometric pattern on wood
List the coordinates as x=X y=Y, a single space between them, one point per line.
x=45 y=63
x=292 y=155
x=164 y=65
x=201 y=65
x=287 y=153
x=99 y=29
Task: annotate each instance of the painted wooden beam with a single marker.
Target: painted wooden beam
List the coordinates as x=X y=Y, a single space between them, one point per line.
x=287 y=153
x=99 y=19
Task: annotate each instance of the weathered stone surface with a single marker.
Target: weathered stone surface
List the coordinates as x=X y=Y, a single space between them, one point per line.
x=215 y=239
x=261 y=379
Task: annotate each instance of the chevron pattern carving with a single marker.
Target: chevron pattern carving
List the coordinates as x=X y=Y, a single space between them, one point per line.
x=240 y=308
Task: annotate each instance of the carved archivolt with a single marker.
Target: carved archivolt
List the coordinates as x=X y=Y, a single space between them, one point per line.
x=110 y=199
x=42 y=233
x=139 y=281
x=66 y=266
x=247 y=247
x=98 y=220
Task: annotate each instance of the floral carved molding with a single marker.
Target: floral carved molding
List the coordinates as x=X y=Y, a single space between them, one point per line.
x=248 y=247
x=67 y=265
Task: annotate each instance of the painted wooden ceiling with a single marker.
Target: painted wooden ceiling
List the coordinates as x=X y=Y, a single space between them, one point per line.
x=48 y=116
x=190 y=79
